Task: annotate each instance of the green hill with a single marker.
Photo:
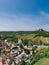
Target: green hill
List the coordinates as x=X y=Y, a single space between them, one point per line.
x=44 y=61
x=35 y=36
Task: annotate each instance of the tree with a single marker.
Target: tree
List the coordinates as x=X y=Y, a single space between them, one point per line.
x=41 y=42
x=22 y=62
x=25 y=42
x=30 y=43
x=27 y=51
x=21 y=46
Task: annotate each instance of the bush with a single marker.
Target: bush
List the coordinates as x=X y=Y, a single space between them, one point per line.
x=27 y=51
x=25 y=42
x=22 y=63
x=21 y=46
x=48 y=54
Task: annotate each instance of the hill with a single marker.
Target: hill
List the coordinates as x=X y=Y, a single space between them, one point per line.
x=44 y=61
x=36 y=36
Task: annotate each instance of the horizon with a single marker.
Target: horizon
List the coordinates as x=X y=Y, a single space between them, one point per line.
x=25 y=30
x=24 y=15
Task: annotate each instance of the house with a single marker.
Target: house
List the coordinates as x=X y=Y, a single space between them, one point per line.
x=20 y=51
x=13 y=45
x=1 y=62
x=8 y=43
x=5 y=41
x=19 y=40
x=23 y=56
x=8 y=55
x=17 y=61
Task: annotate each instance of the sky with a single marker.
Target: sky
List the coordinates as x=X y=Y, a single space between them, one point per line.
x=24 y=15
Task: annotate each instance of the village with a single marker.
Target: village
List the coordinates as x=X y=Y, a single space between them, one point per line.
x=10 y=53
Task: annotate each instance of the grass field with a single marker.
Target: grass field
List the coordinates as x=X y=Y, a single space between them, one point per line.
x=44 y=61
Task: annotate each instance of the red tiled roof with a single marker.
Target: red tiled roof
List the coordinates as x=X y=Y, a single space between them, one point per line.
x=1 y=62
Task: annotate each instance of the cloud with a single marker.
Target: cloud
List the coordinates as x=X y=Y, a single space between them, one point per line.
x=44 y=14
x=13 y=22
x=16 y=22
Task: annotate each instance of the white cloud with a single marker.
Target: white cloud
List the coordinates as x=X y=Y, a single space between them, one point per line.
x=44 y=14
x=24 y=22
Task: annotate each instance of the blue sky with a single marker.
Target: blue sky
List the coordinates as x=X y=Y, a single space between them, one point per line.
x=19 y=15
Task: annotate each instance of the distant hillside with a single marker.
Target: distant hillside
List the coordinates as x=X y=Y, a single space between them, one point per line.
x=35 y=36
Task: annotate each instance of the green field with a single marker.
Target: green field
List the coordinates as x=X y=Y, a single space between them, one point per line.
x=44 y=61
